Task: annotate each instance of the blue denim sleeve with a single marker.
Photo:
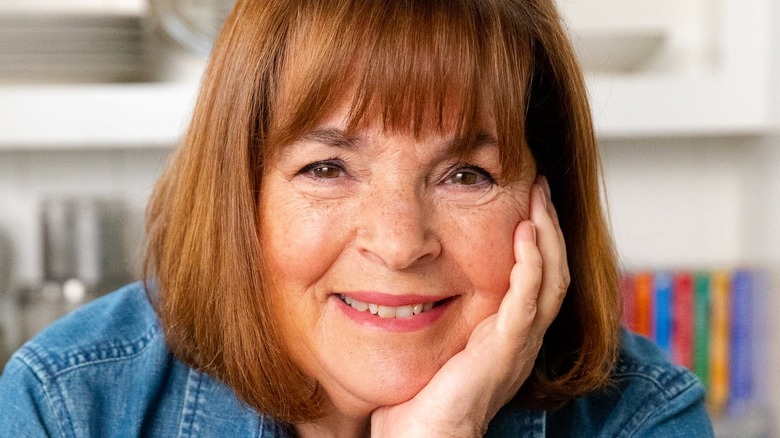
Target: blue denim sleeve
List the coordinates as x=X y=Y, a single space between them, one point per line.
x=26 y=409
x=682 y=416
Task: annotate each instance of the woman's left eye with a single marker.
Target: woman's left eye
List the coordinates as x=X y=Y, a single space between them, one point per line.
x=470 y=176
x=323 y=170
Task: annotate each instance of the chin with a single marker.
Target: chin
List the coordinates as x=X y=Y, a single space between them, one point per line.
x=371 y=386
x=401 y=391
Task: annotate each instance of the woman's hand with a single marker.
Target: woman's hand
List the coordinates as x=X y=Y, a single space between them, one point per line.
x=467 y=392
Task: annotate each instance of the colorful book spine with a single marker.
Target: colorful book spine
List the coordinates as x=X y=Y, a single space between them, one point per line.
x=713 y=323
x=644 y=315
x=683 y=320
x=741 y=348
x=763 y=315
x=719 y=343
x=628 y=295
x=701 y=358
x=662 y=288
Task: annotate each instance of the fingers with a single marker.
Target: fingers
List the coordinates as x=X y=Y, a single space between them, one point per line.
x=552 y=247
x=518 y=308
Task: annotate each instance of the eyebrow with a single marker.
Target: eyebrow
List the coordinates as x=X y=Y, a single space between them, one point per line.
x=340 y=139
x=334 y=137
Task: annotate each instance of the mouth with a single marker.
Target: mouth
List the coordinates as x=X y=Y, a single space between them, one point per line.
x=388 y=312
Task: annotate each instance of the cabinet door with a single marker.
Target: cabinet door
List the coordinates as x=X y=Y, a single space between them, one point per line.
x=666 y=67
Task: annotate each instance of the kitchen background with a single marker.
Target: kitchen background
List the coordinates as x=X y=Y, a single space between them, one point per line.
x=95 y=93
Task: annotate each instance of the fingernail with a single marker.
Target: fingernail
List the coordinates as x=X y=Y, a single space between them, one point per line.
x=527 y=234
x=543 y=194
x=546 y=185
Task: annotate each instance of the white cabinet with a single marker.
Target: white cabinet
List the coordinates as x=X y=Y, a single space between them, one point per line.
x=706 y=67
x=672 y=67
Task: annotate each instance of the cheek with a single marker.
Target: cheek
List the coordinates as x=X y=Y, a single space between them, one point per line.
x=492 y=260
x=482 y=245
x=300 y=242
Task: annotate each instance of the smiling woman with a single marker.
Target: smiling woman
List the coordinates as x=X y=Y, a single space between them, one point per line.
x=392 y=96
x=384 y=220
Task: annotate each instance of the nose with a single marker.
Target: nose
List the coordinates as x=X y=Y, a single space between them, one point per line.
x=395 y=228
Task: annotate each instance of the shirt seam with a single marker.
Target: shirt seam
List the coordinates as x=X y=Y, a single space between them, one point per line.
x=189 y=412
x=659 y=402
x=663 y=385
x=542 y=420
x=32 y=355
x=50 y=402
x=45 y=370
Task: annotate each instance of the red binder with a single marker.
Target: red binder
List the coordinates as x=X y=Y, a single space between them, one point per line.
x=683 y=319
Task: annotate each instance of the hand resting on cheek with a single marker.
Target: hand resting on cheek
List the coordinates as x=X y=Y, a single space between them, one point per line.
x=467 y=392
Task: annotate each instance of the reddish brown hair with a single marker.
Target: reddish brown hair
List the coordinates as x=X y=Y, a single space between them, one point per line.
x=277 y=69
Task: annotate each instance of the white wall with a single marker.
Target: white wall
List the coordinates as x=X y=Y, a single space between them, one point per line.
x=674 y=202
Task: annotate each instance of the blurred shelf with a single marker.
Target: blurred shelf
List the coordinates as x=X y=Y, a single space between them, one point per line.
x=71 y=6
x=658 y=107
x=83 y=116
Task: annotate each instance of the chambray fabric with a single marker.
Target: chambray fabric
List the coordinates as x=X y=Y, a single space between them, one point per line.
x=105 y=371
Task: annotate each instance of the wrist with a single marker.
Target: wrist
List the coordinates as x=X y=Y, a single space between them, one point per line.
x=425 y=426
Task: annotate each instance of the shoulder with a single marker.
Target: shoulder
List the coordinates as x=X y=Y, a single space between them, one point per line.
x=648 y=396
x=115 y=327
x=657 y=396
x=107 y=355
x=106 y=370
x=643 y=368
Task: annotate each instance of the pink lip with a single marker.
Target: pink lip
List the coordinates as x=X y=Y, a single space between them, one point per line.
x=399 y=325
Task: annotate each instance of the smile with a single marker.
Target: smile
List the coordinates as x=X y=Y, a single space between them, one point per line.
x=389 y=311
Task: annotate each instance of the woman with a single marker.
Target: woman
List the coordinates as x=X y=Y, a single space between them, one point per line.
x=384 y=220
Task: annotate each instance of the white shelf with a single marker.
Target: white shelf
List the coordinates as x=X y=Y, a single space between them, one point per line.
x=94 y=116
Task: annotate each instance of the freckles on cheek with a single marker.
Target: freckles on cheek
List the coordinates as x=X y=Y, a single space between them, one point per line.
x=487 y=256
x=302 y=243
x=497 y=261
x=484 y=242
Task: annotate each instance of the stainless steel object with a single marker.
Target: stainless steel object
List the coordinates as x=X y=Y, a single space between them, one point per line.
x=194 y=24
x=85 y=255
x=83 y=239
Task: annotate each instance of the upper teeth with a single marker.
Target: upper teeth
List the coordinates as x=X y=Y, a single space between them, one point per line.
x=387 y=311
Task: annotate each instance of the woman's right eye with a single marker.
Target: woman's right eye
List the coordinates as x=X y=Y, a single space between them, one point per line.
x=323 y=170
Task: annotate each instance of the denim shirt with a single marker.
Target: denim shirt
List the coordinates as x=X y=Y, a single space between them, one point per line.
x=105 y=371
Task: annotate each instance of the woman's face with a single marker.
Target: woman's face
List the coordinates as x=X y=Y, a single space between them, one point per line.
x=386 y=252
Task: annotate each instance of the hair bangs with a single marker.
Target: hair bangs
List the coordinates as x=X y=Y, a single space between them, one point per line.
x=415 y=67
